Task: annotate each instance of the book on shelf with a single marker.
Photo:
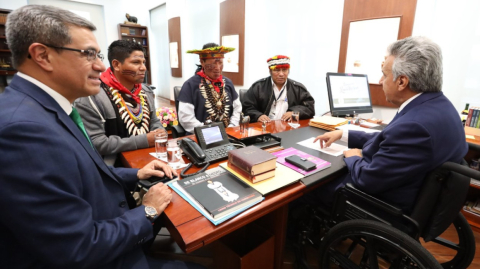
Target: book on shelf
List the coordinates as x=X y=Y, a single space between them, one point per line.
x=284 y=176
x=132 y=31
x=321 y=164
x=254 y=179
x=217 y=194
x=472 y=206
x=143 y=32
x=252 y=160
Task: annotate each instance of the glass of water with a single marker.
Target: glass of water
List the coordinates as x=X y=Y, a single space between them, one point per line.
x=161 y=139
x=295 y=119
x=174 y=154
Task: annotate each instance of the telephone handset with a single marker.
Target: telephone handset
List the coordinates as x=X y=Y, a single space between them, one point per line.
x=193 y=151
x=213 y=144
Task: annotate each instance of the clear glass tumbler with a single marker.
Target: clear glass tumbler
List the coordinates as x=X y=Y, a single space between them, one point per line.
x=161 y=139
x=295 y=119
x=174 y=154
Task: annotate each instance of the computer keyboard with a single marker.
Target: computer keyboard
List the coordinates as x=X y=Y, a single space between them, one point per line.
x=218 y=153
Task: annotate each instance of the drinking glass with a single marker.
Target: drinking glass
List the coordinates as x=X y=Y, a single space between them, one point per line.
x=295 y=119
x=174 y=154
x=161 y=139
x=244 y=122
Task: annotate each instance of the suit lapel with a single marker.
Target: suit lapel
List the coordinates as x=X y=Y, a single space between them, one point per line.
x=50 y=104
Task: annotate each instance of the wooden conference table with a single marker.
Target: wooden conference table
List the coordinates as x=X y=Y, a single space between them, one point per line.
x=191 y=230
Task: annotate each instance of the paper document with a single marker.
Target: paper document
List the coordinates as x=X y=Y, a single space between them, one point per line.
x=334 y=149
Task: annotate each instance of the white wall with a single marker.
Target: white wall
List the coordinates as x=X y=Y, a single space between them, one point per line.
x=199 y=24
x=455 y=26
x=306 y=31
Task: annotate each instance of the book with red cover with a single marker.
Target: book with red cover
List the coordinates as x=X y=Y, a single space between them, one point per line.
x=253 y=179
x=252 y=160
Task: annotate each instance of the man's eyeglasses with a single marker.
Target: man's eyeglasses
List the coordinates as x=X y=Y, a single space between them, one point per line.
x=91 y=54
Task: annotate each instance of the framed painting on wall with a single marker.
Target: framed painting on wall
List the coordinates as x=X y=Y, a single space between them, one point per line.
x=367 y=43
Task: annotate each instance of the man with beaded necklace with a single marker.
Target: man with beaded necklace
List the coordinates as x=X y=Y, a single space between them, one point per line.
x=208 y=96
x=121 y=117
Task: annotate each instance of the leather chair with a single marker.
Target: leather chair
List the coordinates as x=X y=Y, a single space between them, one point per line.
x=241 y=95
x=177 y=131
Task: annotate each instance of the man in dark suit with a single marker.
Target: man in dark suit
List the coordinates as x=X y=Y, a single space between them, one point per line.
x=425 y=133
x=62 y=207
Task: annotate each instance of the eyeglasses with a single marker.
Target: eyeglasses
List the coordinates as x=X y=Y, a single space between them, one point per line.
x=92 y=55
x=284 y=70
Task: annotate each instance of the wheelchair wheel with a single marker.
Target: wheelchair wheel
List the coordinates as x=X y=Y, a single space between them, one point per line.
x=465 y=248
x=371 y=244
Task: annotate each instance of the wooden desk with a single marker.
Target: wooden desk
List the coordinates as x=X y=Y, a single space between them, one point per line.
x=191 y=230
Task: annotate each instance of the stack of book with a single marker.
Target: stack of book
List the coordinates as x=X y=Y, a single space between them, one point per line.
x=217 y=194
x=473 y=118
x=327 y=123
x=252 y=163
x=473 y=206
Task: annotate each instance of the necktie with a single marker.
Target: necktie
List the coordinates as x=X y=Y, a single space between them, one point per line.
x=75 y=116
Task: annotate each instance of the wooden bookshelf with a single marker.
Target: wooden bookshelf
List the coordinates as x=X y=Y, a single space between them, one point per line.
x=474 y=191
x=138 y=34
x=6 y=67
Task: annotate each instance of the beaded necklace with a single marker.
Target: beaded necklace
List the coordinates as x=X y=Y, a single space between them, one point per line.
x=136 y=120
x=216 y=103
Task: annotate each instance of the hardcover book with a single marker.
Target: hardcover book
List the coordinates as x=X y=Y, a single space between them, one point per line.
x=253 y=179
x=284 y=176
x=252 y=160
x=217 y=192
x=321 y=164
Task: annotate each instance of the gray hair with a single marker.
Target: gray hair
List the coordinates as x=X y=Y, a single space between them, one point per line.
x=42 y=24
x=419 y=59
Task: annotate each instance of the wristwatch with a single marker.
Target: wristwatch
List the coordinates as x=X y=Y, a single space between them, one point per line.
x=151 y=213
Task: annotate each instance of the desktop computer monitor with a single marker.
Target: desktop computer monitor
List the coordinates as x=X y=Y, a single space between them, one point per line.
x=348 y=94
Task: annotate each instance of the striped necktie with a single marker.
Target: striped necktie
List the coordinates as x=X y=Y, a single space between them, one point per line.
x=75 y=116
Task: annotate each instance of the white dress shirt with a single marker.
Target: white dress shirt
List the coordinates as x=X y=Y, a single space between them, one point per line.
x=60 y=99
x=280 y=103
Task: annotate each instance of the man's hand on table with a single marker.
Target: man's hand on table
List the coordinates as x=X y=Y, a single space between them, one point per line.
x=158 y=197
x=156 y=168
x=264 y=118
x=287 y=116
x=328 y=138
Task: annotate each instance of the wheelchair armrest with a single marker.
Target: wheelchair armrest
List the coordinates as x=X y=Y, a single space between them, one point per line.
x=474 y=147
x=379 y=204
x=462 y=169
x=178 y=131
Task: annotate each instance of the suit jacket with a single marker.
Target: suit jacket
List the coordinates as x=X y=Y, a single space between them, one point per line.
x=424 y=135
x=259 y=99
x=62 y=207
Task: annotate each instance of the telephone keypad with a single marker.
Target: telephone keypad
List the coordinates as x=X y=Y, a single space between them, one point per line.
x=218 y=153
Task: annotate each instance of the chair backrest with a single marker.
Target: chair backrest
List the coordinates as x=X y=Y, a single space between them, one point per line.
x=241 y=94
x=176 y=93
x=441 y=197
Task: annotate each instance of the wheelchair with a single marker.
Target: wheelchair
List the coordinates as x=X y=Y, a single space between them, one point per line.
x=361 y=231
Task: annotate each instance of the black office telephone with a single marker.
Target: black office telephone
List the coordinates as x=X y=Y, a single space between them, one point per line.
x=213 y=144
